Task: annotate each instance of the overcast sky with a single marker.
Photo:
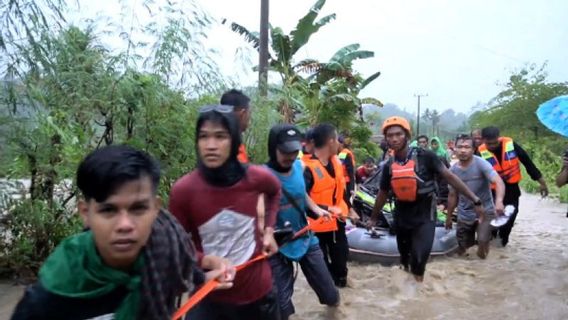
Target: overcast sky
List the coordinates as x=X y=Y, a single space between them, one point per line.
x=457 y=52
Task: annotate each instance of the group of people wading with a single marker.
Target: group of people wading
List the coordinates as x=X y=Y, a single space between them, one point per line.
x=223 y=226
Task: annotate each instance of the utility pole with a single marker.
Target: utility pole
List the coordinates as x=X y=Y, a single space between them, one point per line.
x=263 y=50
x=418 y=115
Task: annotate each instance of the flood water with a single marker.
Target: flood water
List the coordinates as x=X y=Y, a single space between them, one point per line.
x=526 y=280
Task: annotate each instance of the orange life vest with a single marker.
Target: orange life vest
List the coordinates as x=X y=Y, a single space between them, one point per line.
x=343 y=157
x=306 y=157
x=242 y=156
x=327 y=190
x=509 y=169
x=405 y=178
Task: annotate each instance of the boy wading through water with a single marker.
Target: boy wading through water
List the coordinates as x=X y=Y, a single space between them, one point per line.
x=133 y=263
x=478 y=175
x=411 y=175
x=218 y=204
x=284 y=144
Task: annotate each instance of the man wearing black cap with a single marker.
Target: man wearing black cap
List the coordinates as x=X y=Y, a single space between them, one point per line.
x=284 y=144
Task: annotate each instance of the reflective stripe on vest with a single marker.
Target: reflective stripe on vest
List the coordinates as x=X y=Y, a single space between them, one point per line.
x=327 y=190
x=509 y=169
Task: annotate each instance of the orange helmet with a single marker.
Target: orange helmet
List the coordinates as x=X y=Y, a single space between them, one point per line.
x=396 y=121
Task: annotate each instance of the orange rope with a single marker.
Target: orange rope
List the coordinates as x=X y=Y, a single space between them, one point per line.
x=207 y=288
x=212 y=284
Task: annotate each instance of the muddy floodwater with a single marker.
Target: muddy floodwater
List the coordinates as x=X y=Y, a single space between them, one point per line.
x=526 y=280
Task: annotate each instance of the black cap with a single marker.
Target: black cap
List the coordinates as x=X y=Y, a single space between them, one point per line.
x=289 y=139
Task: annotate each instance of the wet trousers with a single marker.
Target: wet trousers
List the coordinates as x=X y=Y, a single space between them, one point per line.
x=316 y=273
x=335 y=252
x=415 y=245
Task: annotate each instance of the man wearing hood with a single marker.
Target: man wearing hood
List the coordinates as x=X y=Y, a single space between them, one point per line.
x=218 y=203
x=284 y=144
x=438 y=148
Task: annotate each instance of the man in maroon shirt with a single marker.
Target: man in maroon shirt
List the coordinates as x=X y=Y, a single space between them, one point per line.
x=217 y=203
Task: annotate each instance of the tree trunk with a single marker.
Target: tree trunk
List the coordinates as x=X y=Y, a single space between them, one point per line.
x=130 y=124
x=32 y=160
x=286 y=111
x=108 y=135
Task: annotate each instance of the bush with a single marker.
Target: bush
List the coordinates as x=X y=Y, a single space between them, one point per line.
x=363 y=146
x=547 y=159
x=33 y=229
x=263 y=117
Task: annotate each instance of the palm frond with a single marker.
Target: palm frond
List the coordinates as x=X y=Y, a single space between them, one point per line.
x=249 y=36
x=306 y=26
x=355 y=55
x=374 y=101
x=338 y=56
x=370 y=79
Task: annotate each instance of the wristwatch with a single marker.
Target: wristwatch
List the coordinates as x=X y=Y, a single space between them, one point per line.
x=477 y=203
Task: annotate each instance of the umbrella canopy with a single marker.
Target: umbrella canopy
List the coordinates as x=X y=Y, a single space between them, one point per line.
x=554 y=114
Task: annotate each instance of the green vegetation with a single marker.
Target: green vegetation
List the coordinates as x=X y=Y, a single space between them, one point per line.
x=64 y=94
x=524 y=92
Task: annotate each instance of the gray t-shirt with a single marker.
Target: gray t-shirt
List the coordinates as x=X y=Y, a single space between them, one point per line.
x=477 y=176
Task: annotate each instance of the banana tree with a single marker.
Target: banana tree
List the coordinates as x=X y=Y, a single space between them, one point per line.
x=338 y=74
x=335 y=101
x=285 y=46
x=326 y=85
